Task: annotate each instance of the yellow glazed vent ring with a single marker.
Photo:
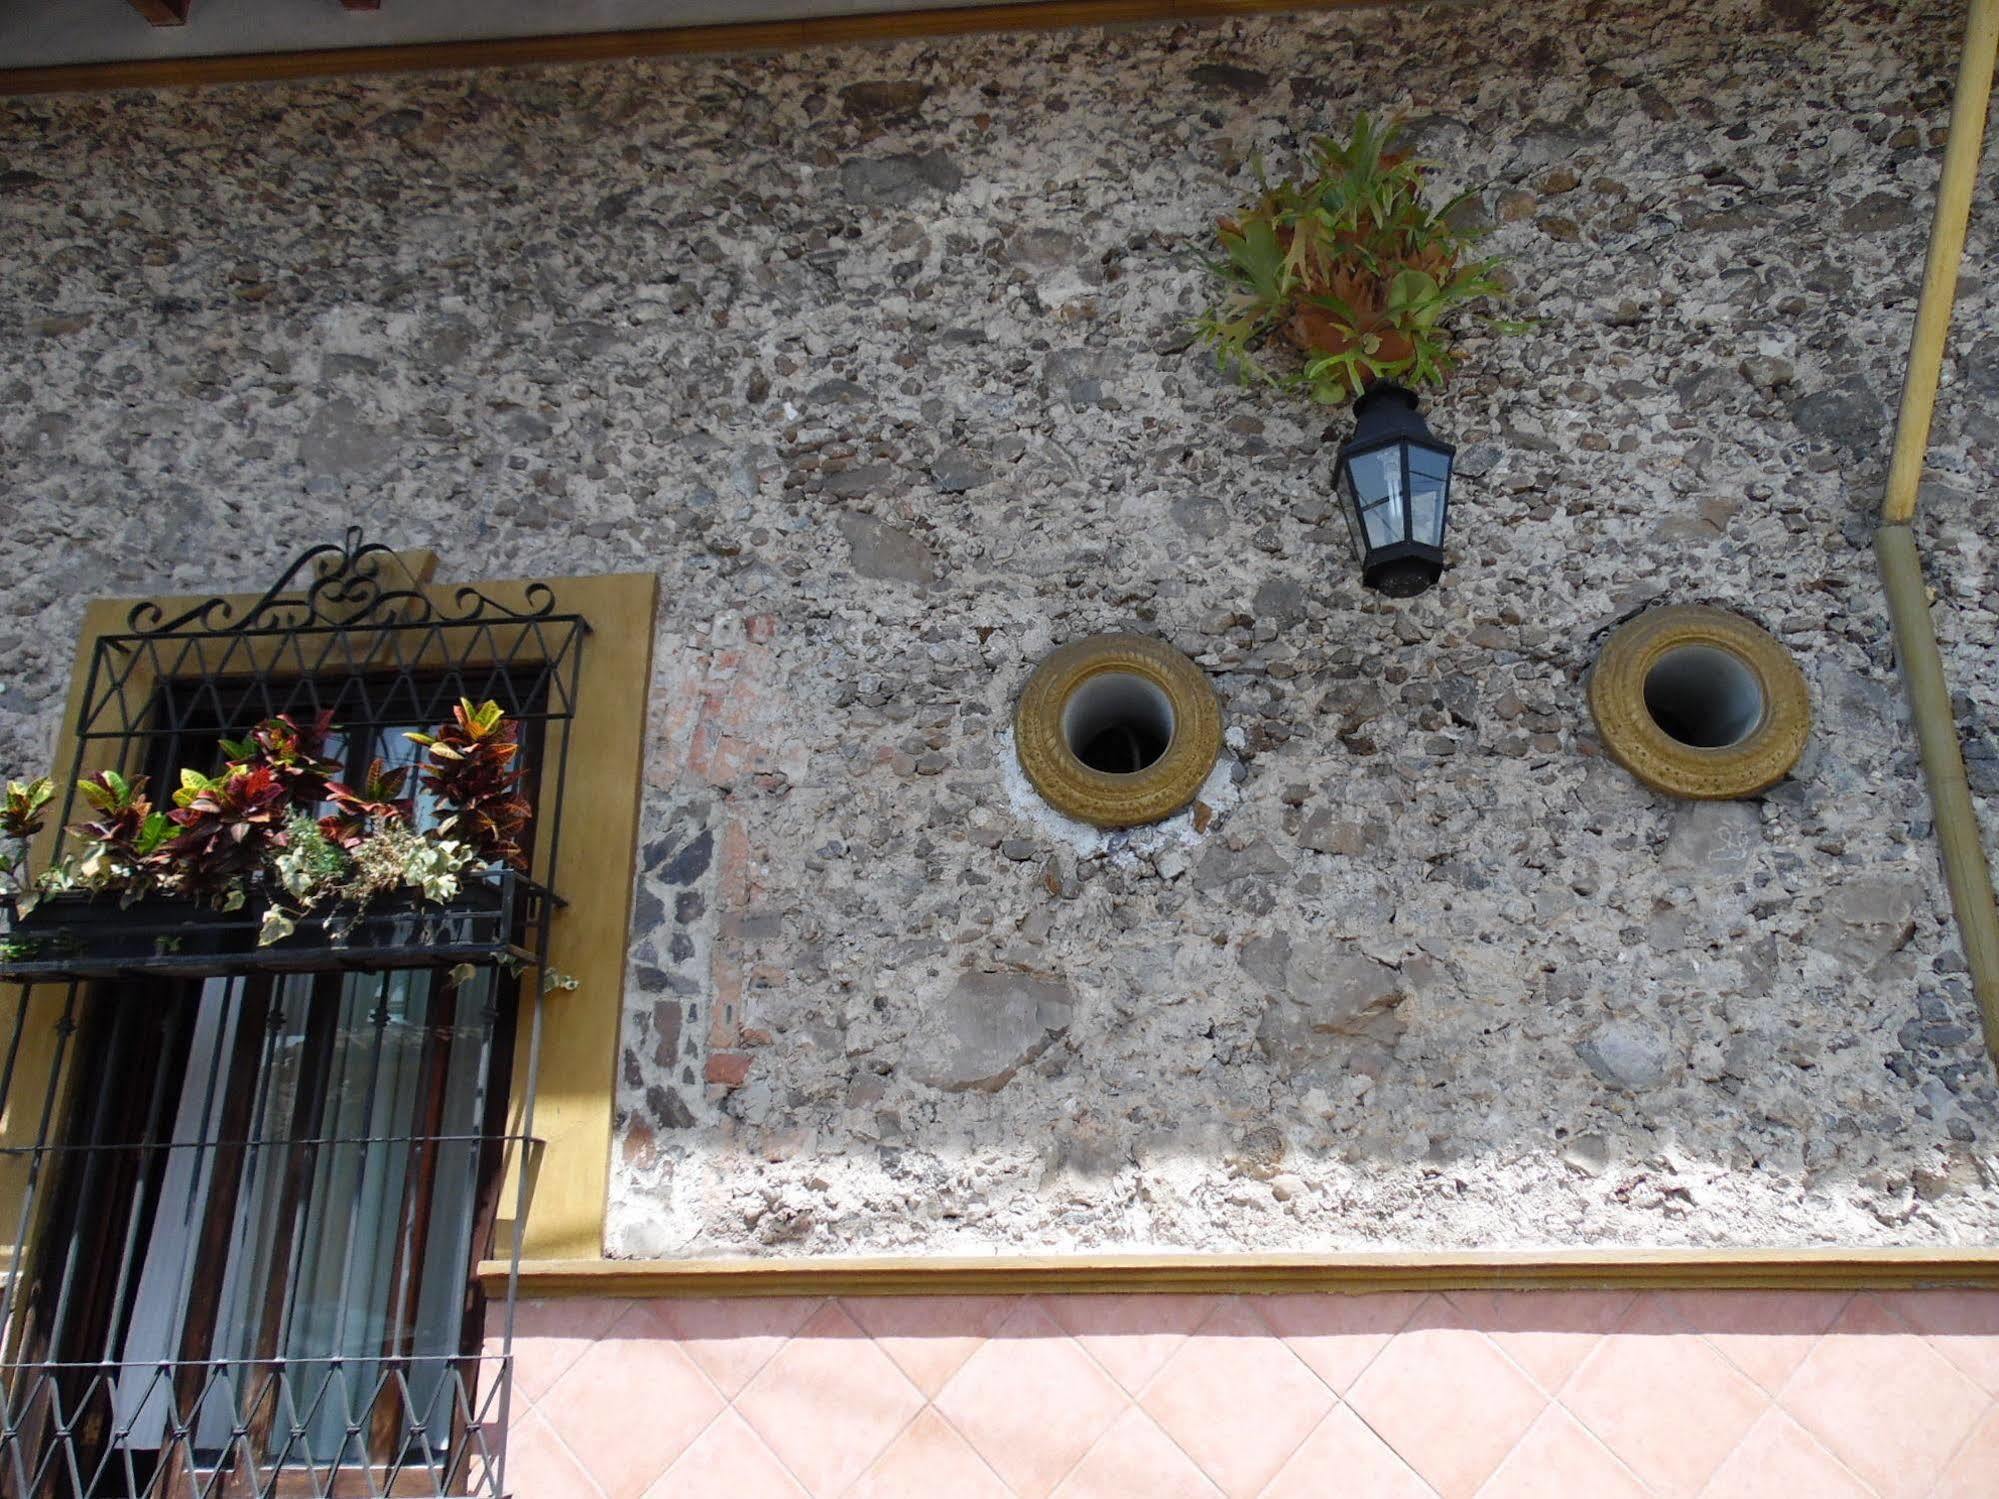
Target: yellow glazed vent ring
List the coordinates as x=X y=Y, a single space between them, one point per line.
x=1698 y=702
x=1117 y=730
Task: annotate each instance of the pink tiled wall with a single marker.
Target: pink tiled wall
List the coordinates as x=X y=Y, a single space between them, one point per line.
x=1599 y=1395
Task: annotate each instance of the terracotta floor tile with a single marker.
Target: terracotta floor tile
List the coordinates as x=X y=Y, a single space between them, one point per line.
x=1961 y=1325
x=1342 y=1457
x=727 y=1461
x=1779 y=1460
x=1449 y=1403
x=1135 y=1458
x=1665 y=1402
x=1974 y=1472
x=591 y=1404
x=540 y=1467
x=1031 y=1402
x=1885 y=1402
x=1558 y=1457
x=731 y=1337
x=1547 y=1333
x=930 y=1337
x=1338 y=1336
x=550 y=1336
x=1765 y=1334
x=828 y=1402
x=1236 y=1399
x=929 y=1460
x=1131 y=1336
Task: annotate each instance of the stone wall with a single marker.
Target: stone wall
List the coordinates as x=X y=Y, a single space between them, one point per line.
x=880 y=359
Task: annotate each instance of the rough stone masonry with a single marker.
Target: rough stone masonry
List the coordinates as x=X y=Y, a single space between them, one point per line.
x=880 y=358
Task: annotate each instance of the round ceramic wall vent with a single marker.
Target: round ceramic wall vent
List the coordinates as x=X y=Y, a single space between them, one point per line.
x=1117 y=730
x=1699 y=702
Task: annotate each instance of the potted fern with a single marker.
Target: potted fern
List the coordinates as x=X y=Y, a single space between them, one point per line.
x=1353 y=269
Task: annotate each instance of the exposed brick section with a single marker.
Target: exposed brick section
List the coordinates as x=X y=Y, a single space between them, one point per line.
x=730 y=1069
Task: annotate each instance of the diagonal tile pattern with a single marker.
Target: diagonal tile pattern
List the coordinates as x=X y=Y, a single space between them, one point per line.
x=1237 y=1400
x=1663 y=1400
x=1445 y=1398
x=1708 y=1395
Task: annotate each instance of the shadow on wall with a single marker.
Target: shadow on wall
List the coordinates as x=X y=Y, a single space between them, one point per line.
x=1595 y=1394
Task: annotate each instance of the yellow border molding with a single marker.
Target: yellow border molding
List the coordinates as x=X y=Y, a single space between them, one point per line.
x=1264 y=1274
x=591 y=936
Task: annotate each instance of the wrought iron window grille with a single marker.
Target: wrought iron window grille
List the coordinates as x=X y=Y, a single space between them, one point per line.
x=252 y=1183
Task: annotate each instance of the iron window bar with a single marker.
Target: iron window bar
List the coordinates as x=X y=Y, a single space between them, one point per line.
x=168 y=937
x=287 y=1399
x=308 y=1415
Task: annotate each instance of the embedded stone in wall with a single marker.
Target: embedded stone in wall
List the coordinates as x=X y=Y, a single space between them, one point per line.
x=1629 y=1054
x=1326 y=999
x=886 y=552
x=986 y=1028
x=1867 y=920
x=895 y=181
x=1714 y=840
x=338 y=441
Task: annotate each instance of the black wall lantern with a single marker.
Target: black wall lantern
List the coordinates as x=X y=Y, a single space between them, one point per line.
x=1396 y=481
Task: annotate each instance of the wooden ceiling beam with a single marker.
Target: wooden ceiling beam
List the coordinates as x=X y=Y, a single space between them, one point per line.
x=865 y=28
x=163 y=12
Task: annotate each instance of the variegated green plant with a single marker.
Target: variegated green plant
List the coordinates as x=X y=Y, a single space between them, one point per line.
x=20 y=819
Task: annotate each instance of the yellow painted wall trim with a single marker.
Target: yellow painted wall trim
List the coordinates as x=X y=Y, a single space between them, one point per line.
x=1264 y=1274
x=590 y=937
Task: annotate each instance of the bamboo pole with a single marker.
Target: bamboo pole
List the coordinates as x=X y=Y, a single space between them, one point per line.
x=1955 y=186
x=1960 y=843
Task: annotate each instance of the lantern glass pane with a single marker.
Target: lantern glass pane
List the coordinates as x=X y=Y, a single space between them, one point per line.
x=1377 y=476
x=1377 y=482
x=1353 y=517
x=1429 y=485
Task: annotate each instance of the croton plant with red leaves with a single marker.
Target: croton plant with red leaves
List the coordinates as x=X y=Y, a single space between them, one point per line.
x=253 y=827
x=472 y=769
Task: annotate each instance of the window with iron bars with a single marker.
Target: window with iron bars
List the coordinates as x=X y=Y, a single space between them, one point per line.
x=252 y=1183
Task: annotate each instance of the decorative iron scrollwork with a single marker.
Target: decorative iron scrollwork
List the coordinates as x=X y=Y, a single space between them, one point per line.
x=338 y=585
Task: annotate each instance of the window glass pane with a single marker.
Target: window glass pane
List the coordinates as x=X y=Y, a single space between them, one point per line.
x=1378 y=477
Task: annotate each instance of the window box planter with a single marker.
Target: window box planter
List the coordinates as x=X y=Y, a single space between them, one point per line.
x=493 y=919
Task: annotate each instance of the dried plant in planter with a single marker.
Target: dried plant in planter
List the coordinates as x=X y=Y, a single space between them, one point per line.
x=1353 y=269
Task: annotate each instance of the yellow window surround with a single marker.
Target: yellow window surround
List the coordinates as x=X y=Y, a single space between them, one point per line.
x=574 y=1092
